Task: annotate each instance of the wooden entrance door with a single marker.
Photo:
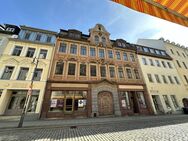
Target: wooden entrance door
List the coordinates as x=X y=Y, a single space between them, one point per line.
x=105 y=103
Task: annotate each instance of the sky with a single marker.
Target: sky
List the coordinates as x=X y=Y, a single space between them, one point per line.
x=120 y=21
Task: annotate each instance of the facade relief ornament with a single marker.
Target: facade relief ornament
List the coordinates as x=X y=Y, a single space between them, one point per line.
x=11 y=61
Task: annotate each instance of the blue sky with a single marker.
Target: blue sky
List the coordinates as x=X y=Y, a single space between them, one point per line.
x=120 y=21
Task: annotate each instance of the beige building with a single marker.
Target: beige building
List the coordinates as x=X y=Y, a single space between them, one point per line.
x=165 y=86
x=17 y=69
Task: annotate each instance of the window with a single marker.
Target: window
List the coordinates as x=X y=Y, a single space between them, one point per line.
x=158 y=52
x=163 y=53
x=104 y=41
x=125 y=58
x=144 y=61
x=23 y=74
x=152 y=50
x=157 y=78
x=170 y=79
x=93 y=70
x=125 y=102
x=103 y=71
x=184 y=65
x=164 y=64
x=62 y=47
x=112 y=72
x=151 y=62
x=17 y=51
x=59 y=68
x=101 y=53
x=7 y=73
x=150 y=78
x=166 y=101
x=72 y=68
x=174 y=101
x=176 y=79
x=120 y=72
x=137 y=76
x=183 y=55
x=178 y=63
x=38 y=37
x=141 y=100
x=171 y=51
x=1 y=41
x=43 y=54
x=178 y=53
x=37 y=75
x=96 y=39
x=82 y=69
x=132 y=58
x=118 y=55
x=169 y=65
x=146 y=49
x=83 y=50
x=129 y=73
x=157 y=63
x=92 y=52
x=49 y=38
x=73 y=49
x=30 y=52
x=110 y=54
x=186 y=79
x=27 y=36
x=164 y=79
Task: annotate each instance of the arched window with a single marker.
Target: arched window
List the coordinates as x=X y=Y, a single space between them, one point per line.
x=96 y=39
x=103 y=41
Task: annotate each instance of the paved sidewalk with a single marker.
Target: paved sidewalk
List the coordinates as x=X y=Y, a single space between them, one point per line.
x=163 y=120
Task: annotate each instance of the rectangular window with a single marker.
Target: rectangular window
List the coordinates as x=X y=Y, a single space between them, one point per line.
x=125 y=58
x=43 y=54
x=82 y=69
x=110 y=54
x=186 y=79
x=146 y=49
x=174 y=101
x=37 y=74
x=7 y=73
x=30 y=52
x=158 y=52
x=93 y=70
x=73 y=49
x=101 y=53
x=164 y=79
x=178 y=53
x=184 y=65
x=170 y=79
x=27 y=36
x=118 y=57
x=144 y=61
x=59 y=68
x=183 y=55
x=132 y=58
x=157 y=63
x=23 y=74
x=125 y=102
x=137 y=76
x=49 y=38
x=169 y=65
x=150 y=78
x=176 y=79
x=157 y=78
x=164 y=64
x=72 y=69
x=171 y=51
x=151 y=62
x=166 y=101
x=129 y=73
x=62 y=47
x=112 y=72
x=152 y=50
x=17 y=51
x=83 y=50
x=163 y=53
x=178 y=63
x=38 y=37
x=141 y=100
x=92 y=52
x=120 y=72
x=103 y=71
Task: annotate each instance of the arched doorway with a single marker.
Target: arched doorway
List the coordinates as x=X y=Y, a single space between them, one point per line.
x=105 y=103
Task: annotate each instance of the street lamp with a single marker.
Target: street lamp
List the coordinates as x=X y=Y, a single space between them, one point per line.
x=28 y=97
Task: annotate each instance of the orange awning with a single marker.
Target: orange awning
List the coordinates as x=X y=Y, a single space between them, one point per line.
x=171 y=10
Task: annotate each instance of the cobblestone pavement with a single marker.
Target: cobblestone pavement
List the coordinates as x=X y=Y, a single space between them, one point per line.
x=132 y=130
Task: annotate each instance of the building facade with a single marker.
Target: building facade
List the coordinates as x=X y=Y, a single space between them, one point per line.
x=93 y=76
x=17 y=69
x=164 y=84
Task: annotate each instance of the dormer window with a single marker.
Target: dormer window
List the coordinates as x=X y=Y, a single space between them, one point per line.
x=38 y=37
x=103 y=41
x=96 y=39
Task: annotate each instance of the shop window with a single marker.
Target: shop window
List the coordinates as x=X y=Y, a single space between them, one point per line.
x=120 y=72
x=7 y=72
x=59 y=68
x=72 y=69
x=23 y=73
x=93 y=70
x=103 y=71
x=112 y=72
x=17 y=51
x=43 y=54
x=37 y=75
x=141 y=100
x=82 y=69
x=30 y=52
x=125 y=102
x=174 y=101
x=63 y=47
x=129 y=73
